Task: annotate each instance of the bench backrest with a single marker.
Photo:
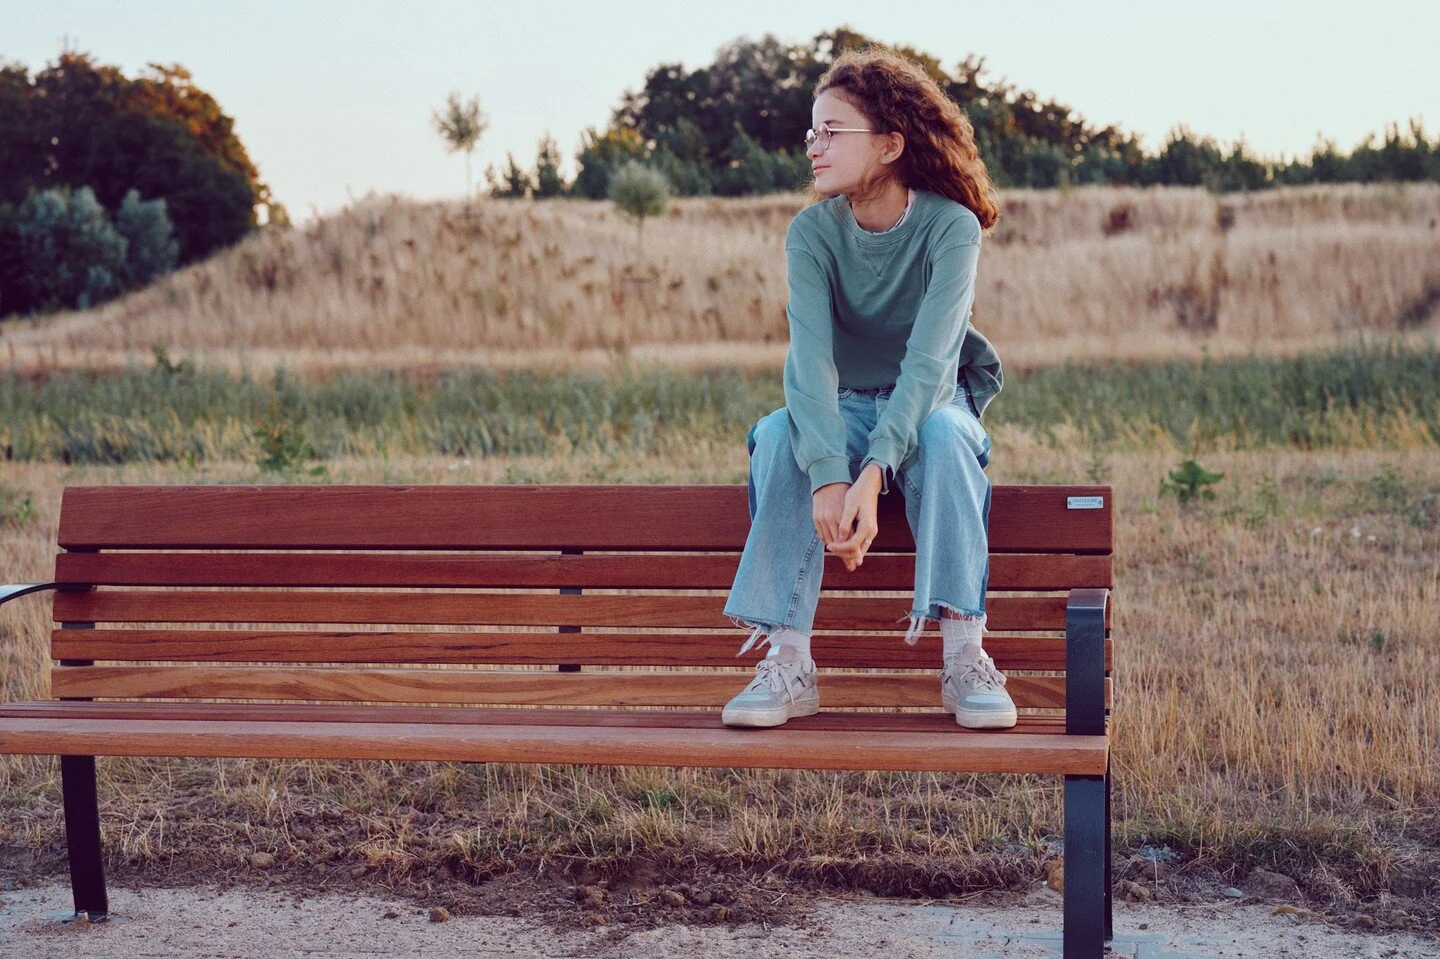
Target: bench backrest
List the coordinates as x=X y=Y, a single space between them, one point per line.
x=275 y=593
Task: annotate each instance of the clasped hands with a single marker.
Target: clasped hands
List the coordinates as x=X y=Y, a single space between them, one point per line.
x=844 y=515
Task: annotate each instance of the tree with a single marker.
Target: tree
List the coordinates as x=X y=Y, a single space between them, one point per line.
x=639 y=192
x=601 y=155
x=724 y=126
x=461 y=125
x=515 y=183
x=82 y=124
x=548 y=181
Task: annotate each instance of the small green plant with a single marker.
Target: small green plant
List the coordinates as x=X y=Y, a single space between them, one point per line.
x=283 y=445
x=1386 y=488
x=598 y=810
x=662 y=798
x=1267 y=502
x=1190 y=482
x=16 y=507
x=164 y=365
x=1388 y=492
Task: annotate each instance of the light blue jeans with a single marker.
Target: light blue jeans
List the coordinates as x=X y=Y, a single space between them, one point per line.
x=947 y=504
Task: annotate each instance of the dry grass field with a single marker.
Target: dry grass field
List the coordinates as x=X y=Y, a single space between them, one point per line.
x=1093 y=272
x=1278 y=647
x=1277 y=705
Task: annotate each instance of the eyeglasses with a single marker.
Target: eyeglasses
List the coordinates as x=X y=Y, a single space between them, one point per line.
x=823 y=135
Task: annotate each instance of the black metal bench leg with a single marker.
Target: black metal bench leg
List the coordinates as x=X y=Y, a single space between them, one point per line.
x=1109 y=914
x=1085 y=897
x=82 y=836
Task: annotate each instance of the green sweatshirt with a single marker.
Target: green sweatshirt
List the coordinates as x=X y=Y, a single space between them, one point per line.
x=879 y=309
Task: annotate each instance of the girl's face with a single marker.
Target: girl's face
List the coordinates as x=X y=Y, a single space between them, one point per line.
x=850 y=160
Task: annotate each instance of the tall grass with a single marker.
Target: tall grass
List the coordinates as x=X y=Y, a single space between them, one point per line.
x=1370 y=395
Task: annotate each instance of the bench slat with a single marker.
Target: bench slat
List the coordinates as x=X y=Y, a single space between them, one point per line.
x=522 y=648
x=636 y=688
x=498 y=609
x=791 y=748
x=1019 y=571
x=1023 y=519
x=872 y=722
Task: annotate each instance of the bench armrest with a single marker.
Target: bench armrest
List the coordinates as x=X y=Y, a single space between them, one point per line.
x=16 y=590
x=1085 y=662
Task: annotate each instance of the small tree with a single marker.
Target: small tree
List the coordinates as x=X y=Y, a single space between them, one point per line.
x=638 y=192
x=517 y=182
x=548 y=181
x=145 y=225
x=462 y=125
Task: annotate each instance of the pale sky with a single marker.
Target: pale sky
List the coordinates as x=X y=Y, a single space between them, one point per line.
x=329 y=97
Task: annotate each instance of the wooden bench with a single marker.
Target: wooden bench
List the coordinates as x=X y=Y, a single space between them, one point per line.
x=149 y=663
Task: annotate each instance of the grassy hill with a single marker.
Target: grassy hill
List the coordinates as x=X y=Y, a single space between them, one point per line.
x=1089 y=273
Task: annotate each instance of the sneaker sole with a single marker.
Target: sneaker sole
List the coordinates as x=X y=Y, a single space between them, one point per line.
x=980 y=719
x=973 y=719
x=766 y=718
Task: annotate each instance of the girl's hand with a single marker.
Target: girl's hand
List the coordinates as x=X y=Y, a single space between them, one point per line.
x=858 y=505
x=828 y=506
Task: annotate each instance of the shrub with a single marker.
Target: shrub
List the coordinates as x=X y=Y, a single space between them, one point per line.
x=71 y=255
x=60 y=250
x=1191 y=481
x=146 y=226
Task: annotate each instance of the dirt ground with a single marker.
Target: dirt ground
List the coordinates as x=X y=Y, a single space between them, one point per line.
x=259 y=922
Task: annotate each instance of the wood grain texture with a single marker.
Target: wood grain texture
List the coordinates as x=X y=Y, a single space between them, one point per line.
x=524 y=648
x=514 y=687
x=649 y=538
x=123 y=605
x=931 y=720
x=1018 y=571
x=785 y=748
x=1023 y=519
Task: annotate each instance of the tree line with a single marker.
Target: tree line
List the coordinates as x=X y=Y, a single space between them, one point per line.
x=107 y=181
x=734 y=128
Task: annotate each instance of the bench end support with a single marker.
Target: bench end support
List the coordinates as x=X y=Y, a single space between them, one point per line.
x=82 y=836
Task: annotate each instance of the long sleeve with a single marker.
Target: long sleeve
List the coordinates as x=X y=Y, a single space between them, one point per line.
x=932 y=357
x=817 y=432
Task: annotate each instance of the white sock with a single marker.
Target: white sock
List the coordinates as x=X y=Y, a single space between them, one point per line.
x=955 y=633
x=793 y=638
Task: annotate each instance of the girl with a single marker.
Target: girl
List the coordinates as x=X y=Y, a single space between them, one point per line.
x=884 y=378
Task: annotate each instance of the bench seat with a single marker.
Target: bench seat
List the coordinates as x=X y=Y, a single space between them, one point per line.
x=926 y=742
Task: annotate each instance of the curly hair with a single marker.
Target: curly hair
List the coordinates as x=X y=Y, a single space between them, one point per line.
x=896 y=95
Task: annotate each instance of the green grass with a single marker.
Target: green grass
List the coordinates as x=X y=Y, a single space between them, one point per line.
x=1367 y=396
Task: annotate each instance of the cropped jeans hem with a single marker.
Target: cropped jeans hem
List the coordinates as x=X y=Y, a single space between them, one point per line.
x=917 y=619
x=946 y=505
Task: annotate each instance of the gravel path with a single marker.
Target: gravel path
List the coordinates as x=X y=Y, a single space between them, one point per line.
x=265 y=923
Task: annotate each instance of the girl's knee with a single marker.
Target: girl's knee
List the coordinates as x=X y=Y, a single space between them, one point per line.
x=953 y=432
x=772 y=431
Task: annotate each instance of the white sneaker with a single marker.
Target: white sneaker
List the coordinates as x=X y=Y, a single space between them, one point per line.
x=783 y=687
x=974 y=690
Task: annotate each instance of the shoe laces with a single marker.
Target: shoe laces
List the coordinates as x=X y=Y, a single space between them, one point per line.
x=988 y=678
x=769 y=673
